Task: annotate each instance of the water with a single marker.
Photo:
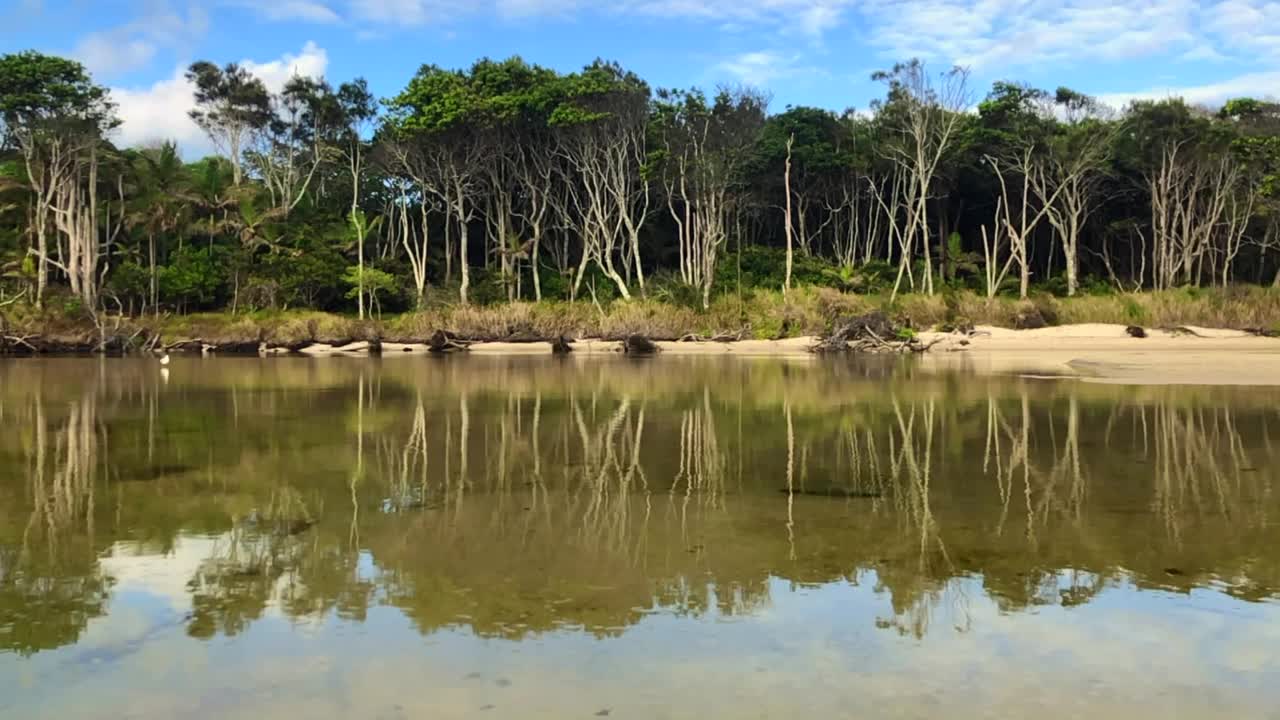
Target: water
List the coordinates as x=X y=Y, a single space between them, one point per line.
x=672 y=538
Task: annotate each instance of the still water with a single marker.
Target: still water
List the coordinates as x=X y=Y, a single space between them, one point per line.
x=591 y=537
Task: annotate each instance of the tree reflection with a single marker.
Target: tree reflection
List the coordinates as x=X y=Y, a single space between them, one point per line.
x=587 y=500
x=50 y=582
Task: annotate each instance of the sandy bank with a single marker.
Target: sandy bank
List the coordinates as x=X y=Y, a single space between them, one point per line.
x=1106 y=353
x=1092 y=352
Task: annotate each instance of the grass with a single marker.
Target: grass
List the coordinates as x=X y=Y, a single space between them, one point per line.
x=762 y=314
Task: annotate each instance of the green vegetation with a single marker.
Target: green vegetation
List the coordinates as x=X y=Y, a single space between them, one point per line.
x=508 y=198
x=760 y=314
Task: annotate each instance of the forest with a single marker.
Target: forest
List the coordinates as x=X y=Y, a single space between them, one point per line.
x=511 y=182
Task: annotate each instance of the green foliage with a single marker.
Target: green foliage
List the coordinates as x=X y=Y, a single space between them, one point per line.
x=499 y=131
x=37 y=91
x=311 y=276
x=376 y=284
x=130 y=282
x=193 y=278
x=228 y=97
x=671 y=289
x=1133 y=311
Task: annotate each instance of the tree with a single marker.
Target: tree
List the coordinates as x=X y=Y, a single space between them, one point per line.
x=704 y=149
x=603 y=134
x=231 y=105
x=1013 y=125
x=293 y=145
x=440 y=149
x=160 y=205
x=57 y=117
x=921 y=119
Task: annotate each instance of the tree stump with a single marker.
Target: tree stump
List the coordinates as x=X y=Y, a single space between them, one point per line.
x=561 y=346
x=443 y=341
x=639 y=345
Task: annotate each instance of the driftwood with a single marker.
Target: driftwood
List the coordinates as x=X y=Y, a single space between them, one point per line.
x=9 y=342
x=724 y=337
x=443 y=341
x=1180 y=331
x=639 y=345
x=870 y=333
x=1262 y=332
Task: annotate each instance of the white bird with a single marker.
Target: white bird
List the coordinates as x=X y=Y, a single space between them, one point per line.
x=164 y=359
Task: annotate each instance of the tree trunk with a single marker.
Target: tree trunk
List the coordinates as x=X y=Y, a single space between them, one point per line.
x=786 y=179
x=155 y=303
x=463 y=235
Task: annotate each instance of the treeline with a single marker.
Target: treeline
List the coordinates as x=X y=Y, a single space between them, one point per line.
x=511 y=181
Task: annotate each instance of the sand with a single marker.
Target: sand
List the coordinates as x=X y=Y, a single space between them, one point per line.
x=1089 y=352
x=1106 y=353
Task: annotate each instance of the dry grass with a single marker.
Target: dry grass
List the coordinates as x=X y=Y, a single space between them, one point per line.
x=761 y=314
x=285 y=328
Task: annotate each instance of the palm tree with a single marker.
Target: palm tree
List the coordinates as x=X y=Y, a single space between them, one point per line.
x=213 y=191
x=162 y=201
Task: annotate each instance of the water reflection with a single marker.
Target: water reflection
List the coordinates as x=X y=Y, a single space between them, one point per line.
x=519 y=497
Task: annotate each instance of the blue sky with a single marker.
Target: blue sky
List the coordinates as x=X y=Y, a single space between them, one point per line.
x=818 y=52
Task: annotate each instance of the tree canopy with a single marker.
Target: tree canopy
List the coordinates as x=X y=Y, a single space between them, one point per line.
x=509 y=180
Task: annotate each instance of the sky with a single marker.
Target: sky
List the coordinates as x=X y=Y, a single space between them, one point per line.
x=805 y=52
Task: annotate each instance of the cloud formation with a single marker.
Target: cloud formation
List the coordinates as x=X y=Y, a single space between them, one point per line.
x=810 y=17
x=760 y=68
x=1209 y=94
x=311 y=11
x=133 y=45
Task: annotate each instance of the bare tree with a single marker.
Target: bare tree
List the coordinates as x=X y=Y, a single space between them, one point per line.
x=788 y=228
x=448 y=166
x=1200 y=203
x=1075 y=166
x=1021 y=211
x=609 y=193
x=921 y=119
x=705 y=148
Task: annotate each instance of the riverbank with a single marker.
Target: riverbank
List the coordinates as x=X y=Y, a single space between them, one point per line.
x=763 y=323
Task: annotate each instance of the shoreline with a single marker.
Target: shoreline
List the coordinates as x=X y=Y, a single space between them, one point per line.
x=1091 y=352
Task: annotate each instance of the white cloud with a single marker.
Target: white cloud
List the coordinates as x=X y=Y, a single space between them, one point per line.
x=400 y=12
x=1211 y=94
x=105 y=55
x=159 y=112
x=761 y=67
x=311 y=62
x=808 y=17
x=532 y=8
x=1249 y=26
x=312 y=11
x=1202 y=53
x=999 y=33
x=134 y=44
